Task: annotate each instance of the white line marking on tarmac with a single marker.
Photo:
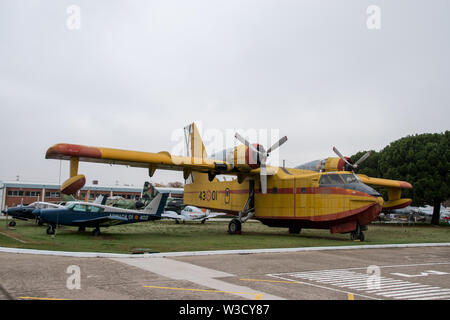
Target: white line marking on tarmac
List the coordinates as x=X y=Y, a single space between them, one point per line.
x=322 y=287
x=202 y=276
x=422 y=295
x=217 y=252
x=348 y=279
x=397 y=287
x=416 y=291
x=434 y=298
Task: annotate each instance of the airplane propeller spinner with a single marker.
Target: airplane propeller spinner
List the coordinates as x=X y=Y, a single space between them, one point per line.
x=261 y=156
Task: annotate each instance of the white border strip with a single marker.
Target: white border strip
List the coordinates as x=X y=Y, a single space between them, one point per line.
x=215 y=252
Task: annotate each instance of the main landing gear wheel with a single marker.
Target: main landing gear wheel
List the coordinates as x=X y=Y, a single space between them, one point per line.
x=294 y=229
x=96 y=232
x=234 y=227
x=357 y=234
x=12 y=224
x=361 y=236
x=203 y=221
x=50 y=229
x=81 y=229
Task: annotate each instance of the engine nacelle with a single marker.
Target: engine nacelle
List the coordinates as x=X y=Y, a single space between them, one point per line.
x=327 y=165
x=241 y=157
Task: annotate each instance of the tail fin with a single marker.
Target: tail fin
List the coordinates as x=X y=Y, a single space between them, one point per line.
x=149 y=192
x=194 y=149
x=194 y=143
x=67 y=198
x=101 y=199
x=157 y=204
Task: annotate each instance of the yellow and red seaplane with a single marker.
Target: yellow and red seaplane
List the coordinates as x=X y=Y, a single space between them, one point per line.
x=324 y=194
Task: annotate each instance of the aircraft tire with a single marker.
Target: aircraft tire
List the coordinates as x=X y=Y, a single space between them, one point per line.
x=50 y=229
x=353 y=236
x=81 y=229
x=203 y=221
x=361 y=236
x=96 y=232
x=12 y=224
x=294 y=229
x=234 y=227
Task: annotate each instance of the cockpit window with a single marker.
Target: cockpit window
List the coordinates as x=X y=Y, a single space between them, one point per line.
x=330 y=179
x=80 y=207
x=350 y=178
x=93 y=209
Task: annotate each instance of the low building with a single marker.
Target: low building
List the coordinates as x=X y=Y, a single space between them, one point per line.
x=13 y=193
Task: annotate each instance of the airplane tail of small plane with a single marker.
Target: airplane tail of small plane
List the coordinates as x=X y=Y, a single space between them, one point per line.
x=149 y=191
x=101 y=199
x=158 y=202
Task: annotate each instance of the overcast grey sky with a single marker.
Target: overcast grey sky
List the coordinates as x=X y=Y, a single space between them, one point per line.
x=137 y=70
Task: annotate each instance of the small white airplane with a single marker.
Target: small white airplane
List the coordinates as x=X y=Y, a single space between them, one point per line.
x=191 y=213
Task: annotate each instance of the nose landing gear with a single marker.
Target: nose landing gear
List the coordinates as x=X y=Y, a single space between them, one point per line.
x=235 y=225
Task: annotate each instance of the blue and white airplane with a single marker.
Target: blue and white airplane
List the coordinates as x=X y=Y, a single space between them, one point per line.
x=96 y=215
x=26 y=212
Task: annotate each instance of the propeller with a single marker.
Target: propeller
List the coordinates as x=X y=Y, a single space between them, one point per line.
x=355 y=165
x=262 y=155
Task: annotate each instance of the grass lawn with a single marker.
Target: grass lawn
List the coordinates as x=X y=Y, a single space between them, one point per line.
x=166 y=236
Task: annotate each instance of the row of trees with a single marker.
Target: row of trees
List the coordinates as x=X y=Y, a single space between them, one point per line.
x=175 y=184
x=423 y=160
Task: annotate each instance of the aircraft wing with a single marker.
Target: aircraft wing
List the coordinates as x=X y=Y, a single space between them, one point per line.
x=394 y=191
x=215 y=214
x=173 y=215
x=378 y=182
x=152 y=161
x=106 y=220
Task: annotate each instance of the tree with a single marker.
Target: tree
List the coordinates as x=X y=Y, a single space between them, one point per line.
x=160 y=185
x=176 y=184
x=423 y=161
x=369 y=166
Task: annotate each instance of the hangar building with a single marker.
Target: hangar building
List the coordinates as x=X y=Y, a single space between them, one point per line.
x=13 y=193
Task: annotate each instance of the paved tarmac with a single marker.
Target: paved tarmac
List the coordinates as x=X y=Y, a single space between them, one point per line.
x=393 y=273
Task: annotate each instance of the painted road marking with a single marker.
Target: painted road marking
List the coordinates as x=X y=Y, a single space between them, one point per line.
x=217 y=252
x=422 y=274
x=265 y=280
x=258 y=296
x=434 y=298
x=202 y=276
x=38 y=298
x=308 y=284
x=351 y=279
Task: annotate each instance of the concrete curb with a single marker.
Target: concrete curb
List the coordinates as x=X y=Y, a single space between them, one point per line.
x=215 y=252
